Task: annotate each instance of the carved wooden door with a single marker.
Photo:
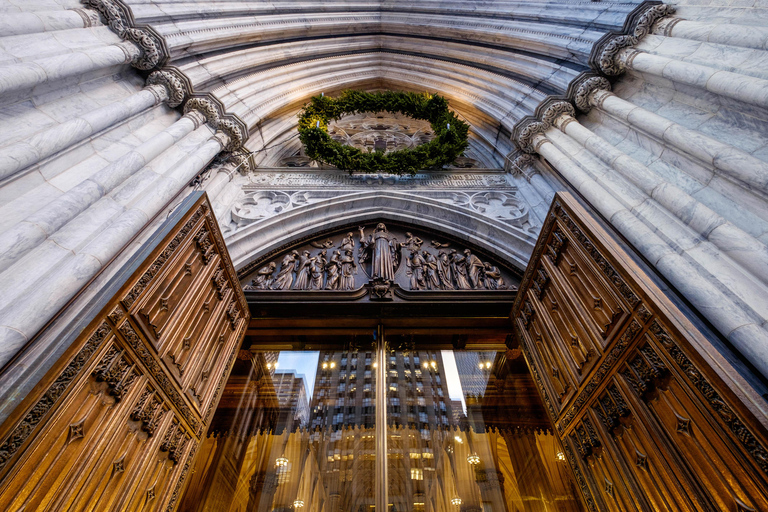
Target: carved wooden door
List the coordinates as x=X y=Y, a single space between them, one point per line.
x=116 y=423
x=651 y=413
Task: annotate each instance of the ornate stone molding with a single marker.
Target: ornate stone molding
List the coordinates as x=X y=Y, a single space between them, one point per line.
x=528 y=132
x=556 y=110
x=559 y=114
x=205 y=107
x=229 y=124
x=585 y=89
x=523 y=165
x=611 y=47
x=120 y=20
x=170 y=79
x=645 y=23
x=241 y=160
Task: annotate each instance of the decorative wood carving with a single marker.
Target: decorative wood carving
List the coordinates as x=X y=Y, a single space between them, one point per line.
x=651 y=415
x=117 y=421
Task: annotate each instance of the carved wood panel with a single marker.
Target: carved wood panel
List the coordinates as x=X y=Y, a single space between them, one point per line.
x=116 y=423
x=653 y=420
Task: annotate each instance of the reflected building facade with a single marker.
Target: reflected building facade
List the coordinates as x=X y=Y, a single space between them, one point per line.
x=318 y=453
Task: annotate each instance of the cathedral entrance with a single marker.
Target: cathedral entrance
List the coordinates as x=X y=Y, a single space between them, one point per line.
x=385 y=366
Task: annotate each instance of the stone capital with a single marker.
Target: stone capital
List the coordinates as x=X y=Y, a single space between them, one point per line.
x=584 y=91
x=527 y=134
x=118 y=17
x=172 y=82
x=558 y=110
x=206 y=107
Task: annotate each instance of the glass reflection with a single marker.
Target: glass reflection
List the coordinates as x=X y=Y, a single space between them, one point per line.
x=466 y=432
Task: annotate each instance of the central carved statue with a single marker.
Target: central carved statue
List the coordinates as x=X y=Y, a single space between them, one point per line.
x=383 y=251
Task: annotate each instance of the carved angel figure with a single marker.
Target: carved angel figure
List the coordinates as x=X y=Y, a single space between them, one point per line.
x=263 y=279
x=284 y=278
x=383 y=250
x=412 y=243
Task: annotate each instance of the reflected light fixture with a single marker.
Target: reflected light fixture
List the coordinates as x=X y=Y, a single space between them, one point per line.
x=473 y=459
x=325 y=366
x=333 y=364
x=425 y=365
x=298 y=504
x=456 y=501
x=488 y=364
x=281 y=462
x=560 y=456
x=458 y=439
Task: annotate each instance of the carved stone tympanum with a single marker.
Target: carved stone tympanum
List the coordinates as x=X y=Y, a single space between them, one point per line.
x=378 y=256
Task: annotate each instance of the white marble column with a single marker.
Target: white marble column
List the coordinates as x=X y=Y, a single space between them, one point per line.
x=51 y=217
x=745 y=36
x=26 y=75
x=749 y=89
x=749 y=252
x=731 y=161
x=29 y=305
x=43 y=144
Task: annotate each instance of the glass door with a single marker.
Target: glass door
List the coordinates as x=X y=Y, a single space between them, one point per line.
x=467 y=432
x=370 y=427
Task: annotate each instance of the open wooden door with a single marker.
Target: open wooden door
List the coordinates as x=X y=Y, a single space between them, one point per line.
x=653 y=413
x=116 y=422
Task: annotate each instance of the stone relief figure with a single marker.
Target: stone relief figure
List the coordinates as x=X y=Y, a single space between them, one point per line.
x=383 y=250
x=416 y=265
x=412 y=243
x=348 y=269
x=438 y=268
x=475 y=270
x=284 y=278
x=347 y=243
x=493 y=279
x=459 y=269
x=263 y=279
x=333 y=271
x=316 y=269
x=431 y=275
x=303 y=272
x=444 y=272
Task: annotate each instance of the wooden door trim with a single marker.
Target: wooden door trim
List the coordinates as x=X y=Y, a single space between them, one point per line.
x=711 y=377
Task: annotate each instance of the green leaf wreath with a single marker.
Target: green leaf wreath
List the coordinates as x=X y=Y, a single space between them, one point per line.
x=450 y=132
